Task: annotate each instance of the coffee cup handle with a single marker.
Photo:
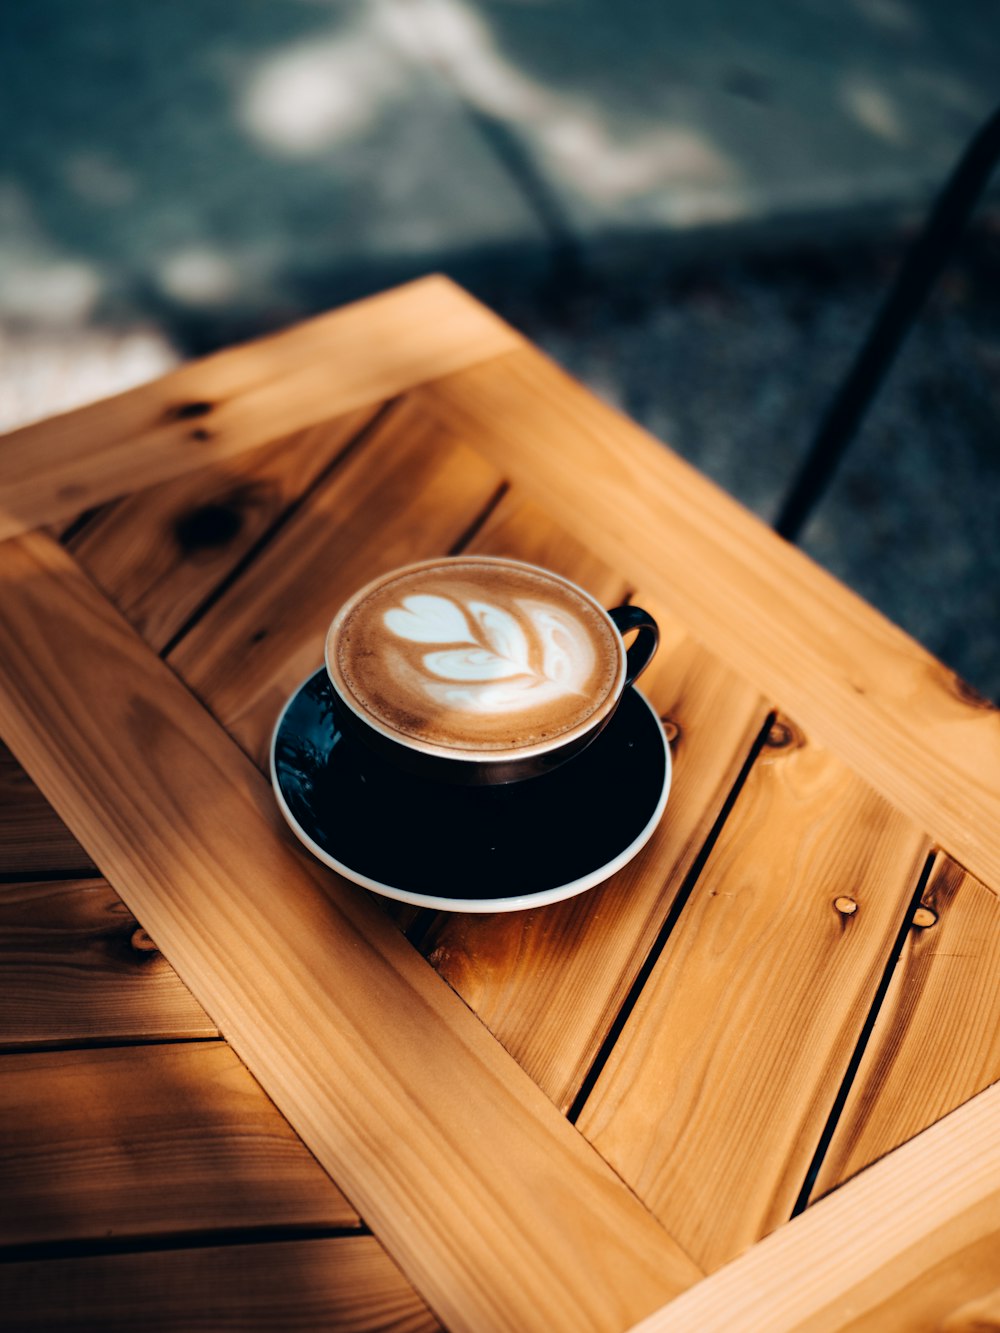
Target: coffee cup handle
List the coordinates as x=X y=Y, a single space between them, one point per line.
x=640 y=653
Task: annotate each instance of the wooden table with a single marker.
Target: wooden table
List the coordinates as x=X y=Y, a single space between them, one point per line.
x=237 y=1091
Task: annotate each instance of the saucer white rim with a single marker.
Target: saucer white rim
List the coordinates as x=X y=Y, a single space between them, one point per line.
x=483 y=906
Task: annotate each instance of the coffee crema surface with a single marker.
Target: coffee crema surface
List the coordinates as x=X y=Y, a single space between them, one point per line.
x=476 y=654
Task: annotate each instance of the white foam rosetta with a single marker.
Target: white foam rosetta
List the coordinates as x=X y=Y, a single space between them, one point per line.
x=487 y=661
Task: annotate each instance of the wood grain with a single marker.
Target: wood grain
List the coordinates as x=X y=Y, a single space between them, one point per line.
x=33 y=839
x=242 y=398
x=520 y=530
x=716 y=1094
x=75 y=966
x=149 y=1140
x=160 y=553
x=981 y=1315
x=857 y=683
x=497 y=1210
x=937 y=1039
x=899 y=1249
x=409 y=492
x=347 y=1284
x=549 y=983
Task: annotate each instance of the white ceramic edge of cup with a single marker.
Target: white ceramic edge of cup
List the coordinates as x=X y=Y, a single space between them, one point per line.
x=515 y=903
x=419 y=747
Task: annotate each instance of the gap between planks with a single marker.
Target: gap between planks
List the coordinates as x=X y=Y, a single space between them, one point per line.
x=670 y=921
x=78 y=970
x=164 y=1242
x=864 y=1037
x=346 y=1283
x=902 y=1245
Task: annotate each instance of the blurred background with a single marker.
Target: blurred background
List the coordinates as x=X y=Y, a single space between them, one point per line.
x=695 y=209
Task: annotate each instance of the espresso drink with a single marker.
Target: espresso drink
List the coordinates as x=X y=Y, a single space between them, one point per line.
x=475 y=654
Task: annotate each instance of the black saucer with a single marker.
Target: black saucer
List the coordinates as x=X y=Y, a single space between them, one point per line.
x=468 y=849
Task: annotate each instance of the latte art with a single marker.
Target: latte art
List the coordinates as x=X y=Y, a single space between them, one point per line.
x=498 y=662
x=475 y=654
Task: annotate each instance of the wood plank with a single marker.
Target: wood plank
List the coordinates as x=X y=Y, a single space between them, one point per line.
x=901 y=1248
x=160 y=553
x=493 y=1205
x=242 y=398
x=76 y=966
x=857 y=683
x=936 y=1042
x=149 y=1140
x=33 y=839
x=347 y=1283
x=716 y=1094
x=409 y=492
x=549 y=983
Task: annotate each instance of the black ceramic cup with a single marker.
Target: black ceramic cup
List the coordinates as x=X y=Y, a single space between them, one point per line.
x=528 y=633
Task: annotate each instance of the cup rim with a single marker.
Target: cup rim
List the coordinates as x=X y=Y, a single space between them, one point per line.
x=417 y=746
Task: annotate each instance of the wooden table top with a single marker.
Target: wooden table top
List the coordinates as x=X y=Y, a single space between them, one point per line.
x=744 y=1084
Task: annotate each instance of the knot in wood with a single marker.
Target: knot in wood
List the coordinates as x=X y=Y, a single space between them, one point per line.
x=845 y=906
x=188 y=411
x=208 y=526
x=783 y=735
x=141 y=942
x=670 y=729
x=924 y=917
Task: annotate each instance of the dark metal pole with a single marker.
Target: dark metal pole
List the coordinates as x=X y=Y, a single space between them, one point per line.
x=924 y=261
